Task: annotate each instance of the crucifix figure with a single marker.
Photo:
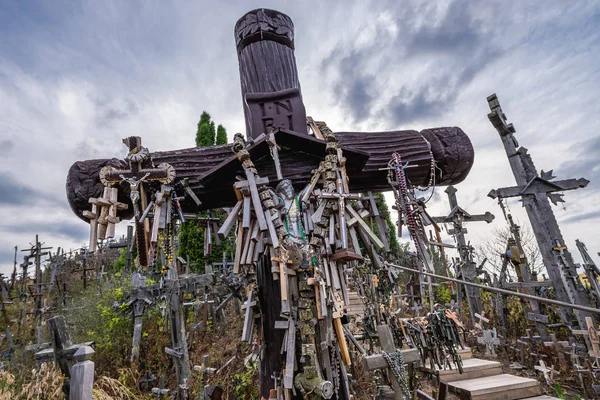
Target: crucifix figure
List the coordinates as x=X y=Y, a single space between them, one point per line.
x=536 y=191
x=134 y=193
x=468 y=269
x=292 y=211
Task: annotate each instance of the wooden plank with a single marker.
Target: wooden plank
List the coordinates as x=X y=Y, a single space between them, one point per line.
x=290 y=354
x=497 y=387
x=258 y=210
x=246 y=214
x=230 y=220
x=239 y=243
x=531 y=284
x=376 y=361
x=362 y=224
x=537 y=317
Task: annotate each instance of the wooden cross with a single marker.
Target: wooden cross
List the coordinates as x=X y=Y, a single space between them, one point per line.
x=548 y=372
x=558 y=347
x=377 y=361
x=179 y=348
x=379 y=220
x=282 y=108
x=490 y=340
x=38 y=345
x=138 y=302
x=63 y=350
x=592 y=338
x=146 y=380
x=456 y=218
x=536 y=192
x=137 y=157
x=482 y=319
x=136 y=175
x=417 y=308
x=160 y=391
x=341 y=196
x=248 y=317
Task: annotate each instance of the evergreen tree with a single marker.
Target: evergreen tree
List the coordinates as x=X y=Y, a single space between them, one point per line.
x=191 y=236
x=221 y=135
x=205 y=135
x=383 y=207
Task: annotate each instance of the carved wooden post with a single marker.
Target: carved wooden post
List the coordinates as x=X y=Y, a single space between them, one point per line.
x=179 y=350
x=268 y=73
x=82 y=375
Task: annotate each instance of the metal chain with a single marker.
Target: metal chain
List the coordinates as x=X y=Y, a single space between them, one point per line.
x=395 y=361
x=336 y=371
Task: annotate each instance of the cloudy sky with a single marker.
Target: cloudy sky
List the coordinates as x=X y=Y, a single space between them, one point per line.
x=76 y=77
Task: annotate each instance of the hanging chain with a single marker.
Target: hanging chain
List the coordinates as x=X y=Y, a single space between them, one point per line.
x=431 y=182
x=404 y=202
x=336 y=371
x=395 y=361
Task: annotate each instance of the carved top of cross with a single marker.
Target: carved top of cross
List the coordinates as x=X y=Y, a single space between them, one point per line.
x=457 y=214
x=498 y=117
x=530 y=182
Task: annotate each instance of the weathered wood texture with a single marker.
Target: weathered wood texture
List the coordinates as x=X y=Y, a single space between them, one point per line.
x=450 y=146
x=265 y=45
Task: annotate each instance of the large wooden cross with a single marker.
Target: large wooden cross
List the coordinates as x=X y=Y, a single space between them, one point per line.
x=377 y=361
x=536 y=192
x=276 y=120
x=457 y=217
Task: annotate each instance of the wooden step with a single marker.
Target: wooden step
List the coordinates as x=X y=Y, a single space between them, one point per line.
x=542 y=397
x=472 y=368
x=497 y=387
x=465 y=353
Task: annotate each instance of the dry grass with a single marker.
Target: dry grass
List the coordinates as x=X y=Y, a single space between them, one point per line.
x=106 y=388
x=46 y=383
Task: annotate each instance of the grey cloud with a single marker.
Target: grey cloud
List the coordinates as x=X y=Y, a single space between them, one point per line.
x=407 y=108
x=109 y=113
x=584 y=162
x=582 y=217
x=6 y=147
x=457 y=31
x=68 y=230
x=13 y=192
x=453 y=50
x=7 y=256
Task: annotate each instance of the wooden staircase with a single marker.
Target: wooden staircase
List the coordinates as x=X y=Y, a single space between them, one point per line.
x=484 y=380
x=356 y=306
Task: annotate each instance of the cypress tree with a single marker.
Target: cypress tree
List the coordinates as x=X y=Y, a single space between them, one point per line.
x=221 y=135
x=205 y=135
x=191 y=236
